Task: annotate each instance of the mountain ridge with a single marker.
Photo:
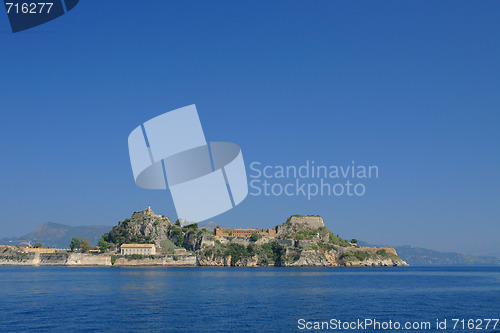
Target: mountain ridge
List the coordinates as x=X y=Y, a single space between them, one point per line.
x=51 y=234
x=419 y=256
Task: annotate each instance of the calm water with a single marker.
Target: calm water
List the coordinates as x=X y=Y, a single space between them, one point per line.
x=53 y=299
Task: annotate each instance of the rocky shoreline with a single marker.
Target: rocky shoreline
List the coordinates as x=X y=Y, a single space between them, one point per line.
x=188 y=260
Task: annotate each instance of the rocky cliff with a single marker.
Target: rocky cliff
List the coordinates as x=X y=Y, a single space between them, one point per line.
x=144 y=227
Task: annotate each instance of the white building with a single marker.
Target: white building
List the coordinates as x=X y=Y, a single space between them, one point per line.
x=145 y=249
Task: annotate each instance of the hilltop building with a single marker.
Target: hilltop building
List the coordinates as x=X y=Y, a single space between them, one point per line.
x=144 y=249
x=245 y=232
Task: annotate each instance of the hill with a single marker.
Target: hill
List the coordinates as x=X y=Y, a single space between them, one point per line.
x=57 y=235
x=300 y=241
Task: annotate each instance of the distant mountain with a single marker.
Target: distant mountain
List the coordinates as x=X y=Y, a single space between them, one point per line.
x=58 y=235
x=417 y=256
x=210 y=226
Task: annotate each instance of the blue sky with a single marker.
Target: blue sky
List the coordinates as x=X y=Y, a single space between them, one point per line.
x=410 y=87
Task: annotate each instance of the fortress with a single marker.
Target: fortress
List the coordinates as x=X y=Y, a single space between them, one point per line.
x=245 y=232
x=309 y=222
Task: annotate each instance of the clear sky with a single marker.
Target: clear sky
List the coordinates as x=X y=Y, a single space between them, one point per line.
x=412 y=87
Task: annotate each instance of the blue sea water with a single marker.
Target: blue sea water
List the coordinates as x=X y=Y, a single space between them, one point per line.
x=202 y=299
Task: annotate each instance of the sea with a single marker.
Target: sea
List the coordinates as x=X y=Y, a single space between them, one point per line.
x=244 y=299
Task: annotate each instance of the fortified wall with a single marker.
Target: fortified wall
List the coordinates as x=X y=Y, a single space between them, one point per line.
x=245 y=232
x=54 y=259
x=302 y=222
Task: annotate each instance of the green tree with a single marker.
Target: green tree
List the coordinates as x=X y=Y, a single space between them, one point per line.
x=354 y=241
x=251 y=249
x=255 y=237
x=106 y=237
x=75 y=244
x=382 y=253
x=237 y=252
x=336 y=240
x=180 y=240
x=85 y=245
x=103 y=245
x=274 y=251
x=37 y=245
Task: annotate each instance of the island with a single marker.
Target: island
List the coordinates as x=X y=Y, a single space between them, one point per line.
x=149 y=239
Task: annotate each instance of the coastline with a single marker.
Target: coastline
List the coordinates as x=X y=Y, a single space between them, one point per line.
x=148 y=239
x=71 y=259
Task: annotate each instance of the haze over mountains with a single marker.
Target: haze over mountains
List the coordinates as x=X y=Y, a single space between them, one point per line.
x=418 y=256
x=210 y=226
x=58 y=235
